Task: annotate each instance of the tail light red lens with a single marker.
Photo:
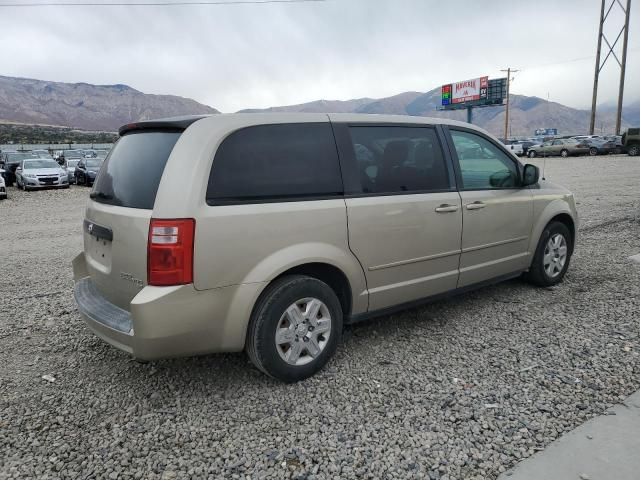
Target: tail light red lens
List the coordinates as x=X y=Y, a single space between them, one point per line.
x=170 y=252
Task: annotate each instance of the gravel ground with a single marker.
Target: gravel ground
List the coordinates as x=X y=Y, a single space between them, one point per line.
x=463 y=388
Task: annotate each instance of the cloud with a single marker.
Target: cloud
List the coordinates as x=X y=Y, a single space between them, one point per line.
x=240 y=56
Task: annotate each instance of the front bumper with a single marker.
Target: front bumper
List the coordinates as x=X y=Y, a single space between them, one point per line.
x=165 y=322
x=40 y=183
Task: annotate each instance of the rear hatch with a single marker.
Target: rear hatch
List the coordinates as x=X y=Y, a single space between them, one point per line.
x=116 y=224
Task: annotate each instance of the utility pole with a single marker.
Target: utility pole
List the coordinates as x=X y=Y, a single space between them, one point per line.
x=506 y=117
x=592 y=124
x=622 y=64
x=623 y=67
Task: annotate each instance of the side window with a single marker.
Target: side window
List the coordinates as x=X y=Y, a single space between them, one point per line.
x=399 y=159
x=483 y=165
x=276 y=162
x=557 y=142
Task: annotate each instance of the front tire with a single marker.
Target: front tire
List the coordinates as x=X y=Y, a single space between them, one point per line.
x=564 y=153
x=295 y=328
x=633 y=150
x=532 y=154
x=552 y=257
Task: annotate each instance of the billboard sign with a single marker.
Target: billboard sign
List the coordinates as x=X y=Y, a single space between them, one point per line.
x=466 y=91
x=546 y=131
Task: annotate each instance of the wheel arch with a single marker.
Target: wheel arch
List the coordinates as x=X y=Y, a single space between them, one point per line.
x=558 y=210
x=329 y=274
x=335 y=266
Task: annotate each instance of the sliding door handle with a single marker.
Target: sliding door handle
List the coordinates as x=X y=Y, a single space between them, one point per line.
x=446 y=208
x=476 y=205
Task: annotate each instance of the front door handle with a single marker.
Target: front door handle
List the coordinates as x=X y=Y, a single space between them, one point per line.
x=446 y=208
x=476 y=205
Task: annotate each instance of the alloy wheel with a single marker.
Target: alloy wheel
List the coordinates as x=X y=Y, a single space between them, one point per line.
x=555 y=255
x=303 y=331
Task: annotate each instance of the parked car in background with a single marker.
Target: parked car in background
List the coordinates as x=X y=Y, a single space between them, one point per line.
x=563 y=147
x=42 y=154
x=586 y=137
x=70 y=166
x=601 y=146
x=513 y=146
x=86 y=171
x=40 y=173
x=3 y=186
x=616 y=140
x=631 y=141
x=526 y=144
x=10 y=161
x=67 y=154
x=292 y=225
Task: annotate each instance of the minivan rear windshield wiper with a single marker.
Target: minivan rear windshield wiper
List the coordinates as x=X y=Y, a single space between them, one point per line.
x=100 y=195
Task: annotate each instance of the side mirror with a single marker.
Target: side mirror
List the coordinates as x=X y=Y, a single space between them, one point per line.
x=530 y=175
x=18 y=169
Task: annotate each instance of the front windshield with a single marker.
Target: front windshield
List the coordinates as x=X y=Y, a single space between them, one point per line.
x=72 y=163
x=94 y=163
x=31 y=164
x=74 y=154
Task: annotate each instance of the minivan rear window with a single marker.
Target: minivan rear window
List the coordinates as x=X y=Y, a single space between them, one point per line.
x=131 y=173
x=279 y=162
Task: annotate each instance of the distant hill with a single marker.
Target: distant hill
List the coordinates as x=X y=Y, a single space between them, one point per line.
x=526 y=113
x=85 y=106
x=107 y=107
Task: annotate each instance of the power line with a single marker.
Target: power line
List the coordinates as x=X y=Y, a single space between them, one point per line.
x=151 y=4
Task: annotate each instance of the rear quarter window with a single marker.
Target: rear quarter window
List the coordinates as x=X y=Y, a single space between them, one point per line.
x=279 y=162
x=131 y=173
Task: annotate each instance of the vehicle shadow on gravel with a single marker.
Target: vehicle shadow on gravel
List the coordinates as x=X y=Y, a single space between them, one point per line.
x=366 y=341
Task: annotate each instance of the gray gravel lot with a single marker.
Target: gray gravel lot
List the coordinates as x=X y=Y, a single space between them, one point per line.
x=462 y=388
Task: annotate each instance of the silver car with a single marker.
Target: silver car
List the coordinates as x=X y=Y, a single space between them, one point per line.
x=40 y=173
x=70 y=166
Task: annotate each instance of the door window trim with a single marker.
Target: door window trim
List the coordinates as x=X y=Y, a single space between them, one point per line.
x=456 y=161
x=349 y=164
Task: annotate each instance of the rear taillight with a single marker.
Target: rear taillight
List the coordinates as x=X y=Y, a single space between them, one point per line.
x=170 y=252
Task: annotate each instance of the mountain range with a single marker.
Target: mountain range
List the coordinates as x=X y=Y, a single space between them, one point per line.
x=86 y=106
x=106 y=107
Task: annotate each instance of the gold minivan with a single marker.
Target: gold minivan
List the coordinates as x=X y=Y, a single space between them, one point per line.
x=269 y=232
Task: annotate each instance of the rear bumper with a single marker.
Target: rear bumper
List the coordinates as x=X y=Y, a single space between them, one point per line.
x=165 y=322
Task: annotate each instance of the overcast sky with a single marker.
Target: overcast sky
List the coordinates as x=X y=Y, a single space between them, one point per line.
x=240 y=56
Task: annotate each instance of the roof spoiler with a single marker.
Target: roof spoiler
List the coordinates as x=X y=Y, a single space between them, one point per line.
x=173 y=123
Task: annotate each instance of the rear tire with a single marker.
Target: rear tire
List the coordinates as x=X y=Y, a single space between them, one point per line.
x=307 y=337
x=564 y=153
x=532 y=154
x=633 y=150
x=548 y=267
x=593 y=151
